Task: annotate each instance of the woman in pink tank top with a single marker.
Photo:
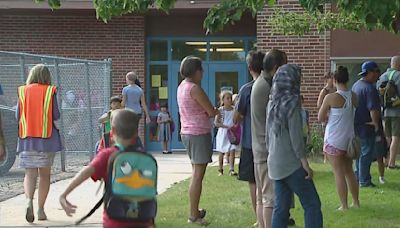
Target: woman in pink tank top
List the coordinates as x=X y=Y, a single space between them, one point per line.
x=195 y=110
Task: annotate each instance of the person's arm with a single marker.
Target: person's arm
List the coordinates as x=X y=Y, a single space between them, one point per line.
x=144 y=107
x=198 y=94
x=374 y=107
x=217 y=121
x=296 y=139
x=103 y=118
x=123 y=102
x=375 y=116
x=321 y=97
x=240 y=109
x=159 y=119
x=324 y=110
x=83 y=175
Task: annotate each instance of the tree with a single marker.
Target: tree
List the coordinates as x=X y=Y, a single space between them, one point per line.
x=347 y=14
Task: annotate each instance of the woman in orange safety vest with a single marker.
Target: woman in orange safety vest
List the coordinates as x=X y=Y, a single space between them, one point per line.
x=39 y=137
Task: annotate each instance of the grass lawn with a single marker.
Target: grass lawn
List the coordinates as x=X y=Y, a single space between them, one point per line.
x=228 y=202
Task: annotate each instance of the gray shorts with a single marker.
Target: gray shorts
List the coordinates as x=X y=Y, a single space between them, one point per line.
x=198 y=147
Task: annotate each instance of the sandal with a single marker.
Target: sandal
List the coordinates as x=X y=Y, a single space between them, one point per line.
x=29 y=216
x=202 y=213
x=198 y=221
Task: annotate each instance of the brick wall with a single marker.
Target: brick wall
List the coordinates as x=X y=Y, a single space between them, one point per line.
x=78 y=35
x=311 y=52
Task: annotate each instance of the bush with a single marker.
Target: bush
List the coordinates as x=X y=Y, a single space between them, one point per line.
x=316 y=142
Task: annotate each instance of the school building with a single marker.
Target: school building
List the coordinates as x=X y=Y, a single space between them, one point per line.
x=153 y=44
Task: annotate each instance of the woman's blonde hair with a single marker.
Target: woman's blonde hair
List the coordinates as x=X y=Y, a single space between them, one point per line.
x=131 y=76
x=39 y=74
x=223 y=94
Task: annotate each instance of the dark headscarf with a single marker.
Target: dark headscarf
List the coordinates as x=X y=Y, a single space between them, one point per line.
x=285 y=96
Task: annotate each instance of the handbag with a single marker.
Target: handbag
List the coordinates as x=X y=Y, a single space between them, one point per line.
x=354 y=148
x=234 y=134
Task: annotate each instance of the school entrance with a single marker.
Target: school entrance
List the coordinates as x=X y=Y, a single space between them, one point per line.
x=224 y=67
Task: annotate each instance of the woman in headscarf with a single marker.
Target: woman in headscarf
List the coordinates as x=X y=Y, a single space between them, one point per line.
x=287 y=162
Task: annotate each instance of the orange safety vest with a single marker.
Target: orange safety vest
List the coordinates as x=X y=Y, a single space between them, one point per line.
x=36 y=110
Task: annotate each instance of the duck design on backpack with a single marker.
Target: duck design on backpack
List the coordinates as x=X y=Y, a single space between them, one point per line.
x=388 y=92
x=131 y=187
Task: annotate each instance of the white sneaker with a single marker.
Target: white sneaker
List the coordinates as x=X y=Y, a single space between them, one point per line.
x=381 y=180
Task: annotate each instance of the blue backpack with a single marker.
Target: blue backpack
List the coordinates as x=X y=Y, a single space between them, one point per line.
x=131 y=186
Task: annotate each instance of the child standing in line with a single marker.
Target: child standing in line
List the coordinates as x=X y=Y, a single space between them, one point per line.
x=164 y=128
x=224 y=121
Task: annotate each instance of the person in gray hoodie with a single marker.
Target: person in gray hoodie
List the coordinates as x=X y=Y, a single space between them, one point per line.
x=287 y=162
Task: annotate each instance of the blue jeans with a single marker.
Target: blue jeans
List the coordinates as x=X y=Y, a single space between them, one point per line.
x=363 y=163
x=307 y=194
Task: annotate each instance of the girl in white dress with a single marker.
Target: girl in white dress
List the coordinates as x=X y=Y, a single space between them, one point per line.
x=224 y=121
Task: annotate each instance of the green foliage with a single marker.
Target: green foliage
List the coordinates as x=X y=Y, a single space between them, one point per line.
x=316 y=142
x=348 y=14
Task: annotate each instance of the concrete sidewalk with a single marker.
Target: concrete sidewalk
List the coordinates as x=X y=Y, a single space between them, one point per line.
x=172 y=168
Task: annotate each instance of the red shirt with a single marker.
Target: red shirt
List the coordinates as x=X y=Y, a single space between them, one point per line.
x=99 y=164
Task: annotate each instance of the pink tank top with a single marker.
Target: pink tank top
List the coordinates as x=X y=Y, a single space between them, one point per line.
x=194 y=119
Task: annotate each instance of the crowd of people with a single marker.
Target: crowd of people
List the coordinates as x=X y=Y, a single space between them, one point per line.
x=274 y=132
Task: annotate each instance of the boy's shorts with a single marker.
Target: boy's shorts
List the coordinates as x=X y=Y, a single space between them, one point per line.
x=392 y=126
x=265 y=189
x=246 y=166
x=198 y=147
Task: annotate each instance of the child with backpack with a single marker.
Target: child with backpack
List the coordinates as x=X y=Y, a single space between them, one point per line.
x=105 y=120
x=164 y=128
x=130 y=177
x=224 y=121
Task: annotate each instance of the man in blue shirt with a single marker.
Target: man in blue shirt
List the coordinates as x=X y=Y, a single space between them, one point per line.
x=243 y=114
x=366 y=121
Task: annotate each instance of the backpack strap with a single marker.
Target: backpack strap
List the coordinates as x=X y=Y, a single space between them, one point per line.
x=98 y=204
x=391 y=75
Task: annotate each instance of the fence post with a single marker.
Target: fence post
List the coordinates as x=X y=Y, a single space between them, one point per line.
x=22 y=63
x=107 y=83
x=90 y=127
x=57 y=74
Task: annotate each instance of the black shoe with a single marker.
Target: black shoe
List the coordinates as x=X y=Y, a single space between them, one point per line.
x=165 y=152
x=370 y=185
x=169 y=152
x=291 y=222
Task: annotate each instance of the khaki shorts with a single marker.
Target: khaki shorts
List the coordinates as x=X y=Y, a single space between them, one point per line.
x=265 y=188
x=392 y=126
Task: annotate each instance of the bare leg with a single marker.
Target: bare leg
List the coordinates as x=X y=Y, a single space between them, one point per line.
x=195 y=188
x=351 y=180
x=394 y=147
x=337 y=163
x=30 y=182
x=44 y=185
x=253 y=189
x=221 y=162
x=232 y=160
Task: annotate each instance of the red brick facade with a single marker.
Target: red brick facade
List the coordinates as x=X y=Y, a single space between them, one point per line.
x=311 y=52
x=79 y=36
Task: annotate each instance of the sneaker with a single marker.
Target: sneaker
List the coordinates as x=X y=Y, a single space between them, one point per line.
x=255 y=224
x=165 y=152
x=381 y=180
x=370 y=185
x=291 y=222
x=29 y=216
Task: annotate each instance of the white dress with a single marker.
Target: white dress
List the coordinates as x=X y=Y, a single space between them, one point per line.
x=222 y=142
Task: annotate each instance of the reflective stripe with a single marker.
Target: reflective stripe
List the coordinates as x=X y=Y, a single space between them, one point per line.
x=46 y=106
x=21 y=91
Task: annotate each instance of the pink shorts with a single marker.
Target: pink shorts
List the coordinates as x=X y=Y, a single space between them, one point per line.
x=331 y=150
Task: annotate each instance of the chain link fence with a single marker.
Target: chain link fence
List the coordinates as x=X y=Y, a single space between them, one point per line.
x=84 y=89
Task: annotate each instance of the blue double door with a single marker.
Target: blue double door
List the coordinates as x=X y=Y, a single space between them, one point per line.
x=216 y=77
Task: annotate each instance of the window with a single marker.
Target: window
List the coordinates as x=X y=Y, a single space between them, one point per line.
x=182 y=48
x=354 y=66
x=158 y=50
x=227 y=50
